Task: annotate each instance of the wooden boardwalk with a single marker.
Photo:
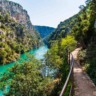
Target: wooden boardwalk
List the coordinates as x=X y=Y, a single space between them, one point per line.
x=83 y=84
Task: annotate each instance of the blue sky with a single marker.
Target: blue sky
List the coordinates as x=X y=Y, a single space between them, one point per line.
x=50 y=12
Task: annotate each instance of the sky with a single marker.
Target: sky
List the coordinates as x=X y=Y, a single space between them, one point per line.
x=50 y=12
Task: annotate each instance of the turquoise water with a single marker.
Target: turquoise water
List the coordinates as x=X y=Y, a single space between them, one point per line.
x=38 y=53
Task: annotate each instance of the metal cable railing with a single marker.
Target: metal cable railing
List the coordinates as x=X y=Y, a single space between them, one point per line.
x=69 y=77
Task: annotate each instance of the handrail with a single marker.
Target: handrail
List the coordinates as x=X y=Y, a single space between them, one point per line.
x=69 y=75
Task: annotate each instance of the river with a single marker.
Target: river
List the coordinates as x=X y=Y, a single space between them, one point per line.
x=38 y=53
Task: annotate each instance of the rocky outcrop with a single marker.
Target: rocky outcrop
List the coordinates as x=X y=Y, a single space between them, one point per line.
x=17 y=12
x=17 y=34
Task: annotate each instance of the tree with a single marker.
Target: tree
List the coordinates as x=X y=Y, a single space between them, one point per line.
x=26 y=79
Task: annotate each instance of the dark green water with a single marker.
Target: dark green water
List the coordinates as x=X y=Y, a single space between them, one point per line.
x=38 y=53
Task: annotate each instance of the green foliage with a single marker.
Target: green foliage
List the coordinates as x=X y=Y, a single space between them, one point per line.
x=14 y=39
x=82 y=28
x=26 y=79
x=57 y=58
x=2 y=56
x=63 y=29
x=82 y=56
x=81 y=25
x=70 y=42
x=86 y=35
x=91 y=69
x=53 y=60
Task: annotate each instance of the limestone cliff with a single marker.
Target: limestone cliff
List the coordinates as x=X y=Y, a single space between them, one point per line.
x=17 y=34
x=18 y=13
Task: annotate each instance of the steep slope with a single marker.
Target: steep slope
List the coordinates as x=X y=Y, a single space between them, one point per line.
x=17 y=34
x=83 y=27
x=63 y=29
x=19 y=14
x=44 y=30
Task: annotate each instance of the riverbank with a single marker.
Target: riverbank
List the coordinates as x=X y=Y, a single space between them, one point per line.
x=38 y=53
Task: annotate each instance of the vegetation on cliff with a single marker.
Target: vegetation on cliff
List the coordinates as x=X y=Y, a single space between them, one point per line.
x=82 y=26
x=44 y=30
x=17 y=34
x=14 y=38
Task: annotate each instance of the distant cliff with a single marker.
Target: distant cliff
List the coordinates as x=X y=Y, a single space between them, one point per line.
x=19 y=14
x=44 y=30
x=17 y=34
x=63 y=28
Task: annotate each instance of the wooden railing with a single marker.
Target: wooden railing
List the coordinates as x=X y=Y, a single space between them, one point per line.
x=69 y=78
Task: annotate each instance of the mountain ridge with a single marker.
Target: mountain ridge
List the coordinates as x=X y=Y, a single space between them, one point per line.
x=44 y=30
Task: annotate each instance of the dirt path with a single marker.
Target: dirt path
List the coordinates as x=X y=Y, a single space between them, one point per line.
x=83 y=85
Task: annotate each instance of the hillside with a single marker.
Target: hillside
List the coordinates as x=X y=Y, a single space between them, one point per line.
x=63 y=28
x=44 y=30
x=83 y=28
x=19 y=14
x=17 y=34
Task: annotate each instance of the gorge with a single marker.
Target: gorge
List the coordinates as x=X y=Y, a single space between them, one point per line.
x=18 y=37
x=27 y=51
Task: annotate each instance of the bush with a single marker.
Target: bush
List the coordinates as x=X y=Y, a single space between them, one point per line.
x=69 y=42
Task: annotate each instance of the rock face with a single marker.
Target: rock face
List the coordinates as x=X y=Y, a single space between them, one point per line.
x=17 y=34
x=44 y=30
x=17 y=12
